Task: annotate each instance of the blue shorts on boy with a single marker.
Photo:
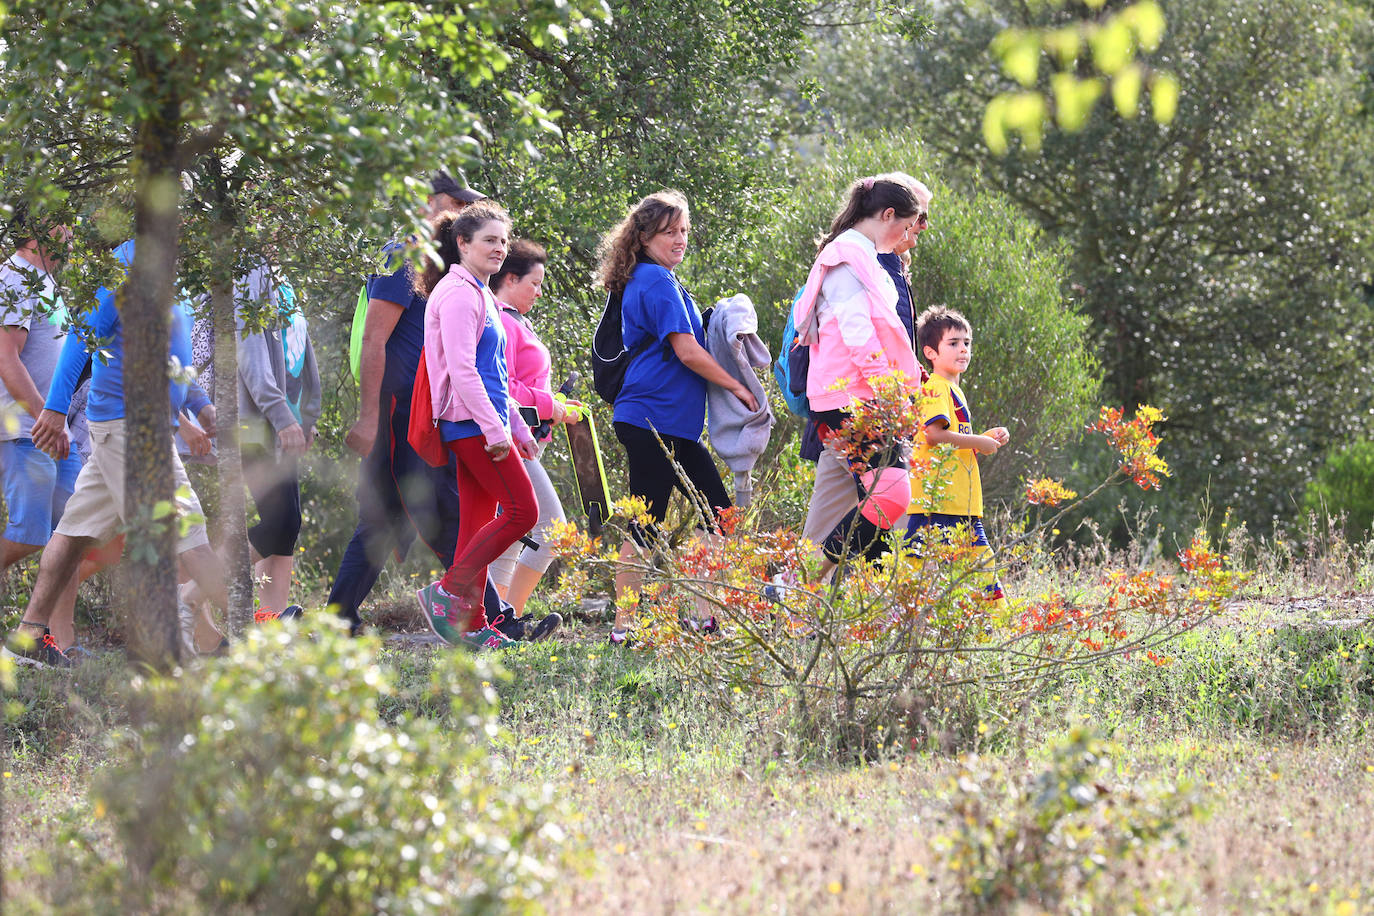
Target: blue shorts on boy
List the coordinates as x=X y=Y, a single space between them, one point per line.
x=922 y=528
x=36 y=490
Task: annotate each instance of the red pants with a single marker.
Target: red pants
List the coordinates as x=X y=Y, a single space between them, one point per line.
x=483 y=484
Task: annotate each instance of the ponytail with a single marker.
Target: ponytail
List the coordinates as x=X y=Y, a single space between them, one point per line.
x=870 y=197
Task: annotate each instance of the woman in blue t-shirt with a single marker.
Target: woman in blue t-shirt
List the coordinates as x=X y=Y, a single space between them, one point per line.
x=664 y=394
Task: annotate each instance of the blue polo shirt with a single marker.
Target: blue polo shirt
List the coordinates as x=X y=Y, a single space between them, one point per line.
x=396 y=283
x=104 y=334
x=660 y=392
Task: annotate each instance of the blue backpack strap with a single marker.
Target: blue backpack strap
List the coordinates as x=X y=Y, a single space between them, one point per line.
x=792 y=366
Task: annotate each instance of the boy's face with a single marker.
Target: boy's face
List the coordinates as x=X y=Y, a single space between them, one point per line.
x=952 y=357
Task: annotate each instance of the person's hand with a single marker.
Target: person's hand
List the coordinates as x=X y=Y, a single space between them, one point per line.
x=50 y=434
x=195 y=438
x=560 y=413
x=206 y=418
x=292 y=440
x=310 y=438
x=998 y=434
x=573 y=411
x=528 y=449
x=746 y=397
x=362 y=436
x=499 y=451
x=987 y=445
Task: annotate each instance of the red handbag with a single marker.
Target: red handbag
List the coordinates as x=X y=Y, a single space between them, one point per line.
x=423 y=431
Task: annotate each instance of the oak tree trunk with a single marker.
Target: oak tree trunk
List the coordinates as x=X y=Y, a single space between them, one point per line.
x=234 y=546
x=148 y=596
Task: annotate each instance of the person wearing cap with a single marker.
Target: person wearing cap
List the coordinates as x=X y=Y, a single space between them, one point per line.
x=400 y=497
x=446 y=193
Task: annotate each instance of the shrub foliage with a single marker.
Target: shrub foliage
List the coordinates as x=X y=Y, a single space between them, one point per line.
x=271 y=781
x=905 y=648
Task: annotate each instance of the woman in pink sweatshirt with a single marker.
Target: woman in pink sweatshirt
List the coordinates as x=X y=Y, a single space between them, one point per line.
x=847 y=315
x=517 y=286
x=465 y=353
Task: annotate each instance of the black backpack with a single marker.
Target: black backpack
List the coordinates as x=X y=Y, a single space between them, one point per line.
x=610 y=359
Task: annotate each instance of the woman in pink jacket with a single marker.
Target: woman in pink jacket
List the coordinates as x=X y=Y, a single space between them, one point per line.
x=517 y=286
x=847 y=315
x=465 y=352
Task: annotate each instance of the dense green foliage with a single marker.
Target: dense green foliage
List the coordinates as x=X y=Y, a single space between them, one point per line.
x=664 y=94
x=1222 y=258
x=1344 y=487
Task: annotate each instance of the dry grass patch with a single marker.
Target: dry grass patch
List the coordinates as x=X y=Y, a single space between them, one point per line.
x=1287 y=831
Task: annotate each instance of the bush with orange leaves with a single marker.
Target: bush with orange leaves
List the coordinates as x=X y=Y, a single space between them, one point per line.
x=896 y=650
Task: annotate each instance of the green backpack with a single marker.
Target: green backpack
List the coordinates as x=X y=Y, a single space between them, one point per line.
x=355 y=337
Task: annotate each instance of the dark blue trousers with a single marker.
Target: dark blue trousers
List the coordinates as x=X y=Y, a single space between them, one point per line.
x=400 y=497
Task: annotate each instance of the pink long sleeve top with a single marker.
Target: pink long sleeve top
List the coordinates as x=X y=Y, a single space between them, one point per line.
x=528 y=365
x=848 y=312
x=464 y=386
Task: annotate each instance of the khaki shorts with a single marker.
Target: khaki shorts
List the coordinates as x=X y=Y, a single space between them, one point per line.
x=833 y=495
x=96 y=507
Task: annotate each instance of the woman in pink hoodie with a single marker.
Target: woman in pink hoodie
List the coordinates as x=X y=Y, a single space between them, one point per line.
x=847 y=315
x=465 y=354
x=517 y=286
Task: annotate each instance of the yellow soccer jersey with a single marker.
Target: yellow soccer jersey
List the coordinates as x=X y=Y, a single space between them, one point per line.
x=963 y=491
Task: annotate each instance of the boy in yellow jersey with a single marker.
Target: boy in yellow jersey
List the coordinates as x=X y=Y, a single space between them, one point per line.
x=945 y=339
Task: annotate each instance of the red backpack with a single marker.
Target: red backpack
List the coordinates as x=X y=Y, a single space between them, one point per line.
x=423 y=432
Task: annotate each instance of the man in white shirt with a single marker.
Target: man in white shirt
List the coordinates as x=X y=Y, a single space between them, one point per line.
x=32 y=315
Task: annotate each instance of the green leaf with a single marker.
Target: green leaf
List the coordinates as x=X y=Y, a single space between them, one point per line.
x=1064 y=44
x=1019 y=52
x=1112 y=46
x=1074 y=100
x=1025 y=114
x=1147 y=20
x=1164 y=97
x=994 y=125
x=1126 y=91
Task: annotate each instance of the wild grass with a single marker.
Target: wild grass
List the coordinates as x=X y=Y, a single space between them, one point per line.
x=681 y=799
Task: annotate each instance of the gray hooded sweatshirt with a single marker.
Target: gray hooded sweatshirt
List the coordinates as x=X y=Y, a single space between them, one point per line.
x=266 y=389
x=738 y=434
